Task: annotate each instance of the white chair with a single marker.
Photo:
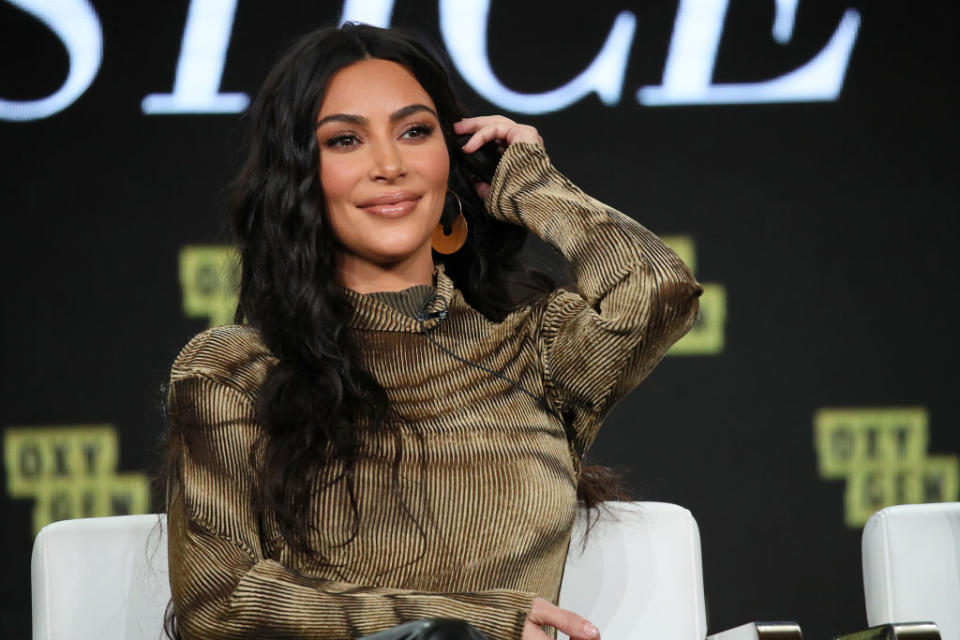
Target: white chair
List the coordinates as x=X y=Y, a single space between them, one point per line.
x=640 y=569
x=100 y=578
x=911 y=566
x=640 y=576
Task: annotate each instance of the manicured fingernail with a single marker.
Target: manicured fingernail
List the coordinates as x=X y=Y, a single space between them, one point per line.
x=590 y=630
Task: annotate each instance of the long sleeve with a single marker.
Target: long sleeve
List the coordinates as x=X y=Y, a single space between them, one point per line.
x=222 y=582
x=635 y=296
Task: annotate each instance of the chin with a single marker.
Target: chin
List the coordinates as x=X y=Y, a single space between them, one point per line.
x=398 y=249
x=390 y=256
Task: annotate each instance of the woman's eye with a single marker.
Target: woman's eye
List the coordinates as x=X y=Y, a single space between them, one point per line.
x=341 y=141
x=418 y=131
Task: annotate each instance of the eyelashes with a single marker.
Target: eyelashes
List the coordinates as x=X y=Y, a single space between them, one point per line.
x=422 y=130
x=345 y=141
x=341 y=141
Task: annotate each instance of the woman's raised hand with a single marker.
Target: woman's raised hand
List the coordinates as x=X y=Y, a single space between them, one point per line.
x=542 y=612
x=499 y=128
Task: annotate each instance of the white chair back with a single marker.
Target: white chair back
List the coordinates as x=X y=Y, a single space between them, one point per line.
x=100 y=579
x=640 y=575
x=911 y=566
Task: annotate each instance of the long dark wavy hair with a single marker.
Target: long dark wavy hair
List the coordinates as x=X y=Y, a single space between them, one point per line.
x=316 y=397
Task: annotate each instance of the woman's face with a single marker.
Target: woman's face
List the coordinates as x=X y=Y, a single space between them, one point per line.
x=383 y=167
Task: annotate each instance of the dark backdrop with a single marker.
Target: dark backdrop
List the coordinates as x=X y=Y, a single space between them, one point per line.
x=829 y=225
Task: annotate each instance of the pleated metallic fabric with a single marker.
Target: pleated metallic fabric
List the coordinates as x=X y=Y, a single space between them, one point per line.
x=491 y=477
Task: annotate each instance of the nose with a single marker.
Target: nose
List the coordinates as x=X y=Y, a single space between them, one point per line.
x=387 y=162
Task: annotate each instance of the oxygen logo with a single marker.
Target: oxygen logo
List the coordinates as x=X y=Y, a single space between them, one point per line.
x=71 y=472
x=209 y=282
x=882 y=454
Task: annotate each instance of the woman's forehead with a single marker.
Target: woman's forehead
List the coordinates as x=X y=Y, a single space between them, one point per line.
x=372 y=88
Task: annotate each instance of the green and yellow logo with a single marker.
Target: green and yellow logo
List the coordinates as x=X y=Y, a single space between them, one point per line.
x=209 y=282
x=882 y=454
x=71 y=472
x=706 y=336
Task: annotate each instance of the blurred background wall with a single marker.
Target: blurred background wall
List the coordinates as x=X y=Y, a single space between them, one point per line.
x=801 y=155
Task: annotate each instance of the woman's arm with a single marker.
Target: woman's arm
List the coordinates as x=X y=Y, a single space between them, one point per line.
x=635 y=297
x=223 y=584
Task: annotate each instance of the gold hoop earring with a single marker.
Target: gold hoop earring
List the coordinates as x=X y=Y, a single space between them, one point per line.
x=449 y=237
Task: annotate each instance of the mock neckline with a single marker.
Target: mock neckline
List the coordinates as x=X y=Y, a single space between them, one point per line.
x=408 y=301
x=370 y=312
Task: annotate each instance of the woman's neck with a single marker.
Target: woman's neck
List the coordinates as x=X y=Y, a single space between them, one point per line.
x=364 y=276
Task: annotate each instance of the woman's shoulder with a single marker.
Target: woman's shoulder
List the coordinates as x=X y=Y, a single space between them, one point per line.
x=232 y=354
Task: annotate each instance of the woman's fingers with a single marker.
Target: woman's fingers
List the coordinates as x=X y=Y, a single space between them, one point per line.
x=532 y=631
x=578 y=628
x=486 y=133
x=573 y=625
x=487 y=128
x=469 y=125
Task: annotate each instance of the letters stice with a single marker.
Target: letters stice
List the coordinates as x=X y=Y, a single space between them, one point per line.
x=687 y=74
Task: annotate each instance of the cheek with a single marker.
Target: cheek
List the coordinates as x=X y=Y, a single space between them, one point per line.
x=435 y=167
x=336 y=179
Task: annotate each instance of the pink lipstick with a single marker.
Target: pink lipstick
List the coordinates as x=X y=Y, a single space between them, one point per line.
x=391 y=205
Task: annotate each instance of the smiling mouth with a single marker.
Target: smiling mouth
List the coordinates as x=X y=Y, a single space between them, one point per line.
x=391 y=205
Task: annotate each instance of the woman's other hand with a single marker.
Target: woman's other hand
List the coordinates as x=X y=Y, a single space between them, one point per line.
x=495 y=128
x=544 y=613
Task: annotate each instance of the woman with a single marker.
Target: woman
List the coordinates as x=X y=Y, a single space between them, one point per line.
x=390 y=438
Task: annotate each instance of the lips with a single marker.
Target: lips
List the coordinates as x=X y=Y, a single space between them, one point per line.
x=391 y=205
x=389 y=198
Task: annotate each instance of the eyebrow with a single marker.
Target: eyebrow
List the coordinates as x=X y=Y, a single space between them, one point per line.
x=399 y=114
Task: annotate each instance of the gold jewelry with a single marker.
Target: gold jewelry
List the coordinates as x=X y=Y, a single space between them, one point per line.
x=449 y=237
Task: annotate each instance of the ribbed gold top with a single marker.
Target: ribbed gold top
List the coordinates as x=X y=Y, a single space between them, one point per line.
x=497 y=501
x=408 y=301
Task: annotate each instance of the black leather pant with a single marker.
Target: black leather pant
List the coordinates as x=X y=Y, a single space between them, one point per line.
x=431 y=629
